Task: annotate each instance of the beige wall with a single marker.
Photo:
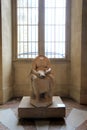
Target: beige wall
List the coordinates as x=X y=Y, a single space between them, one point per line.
x=83 y=96
x=6 y=49
x=78 y=89
x=1 y=95
x=22 y=84
x=76 y=30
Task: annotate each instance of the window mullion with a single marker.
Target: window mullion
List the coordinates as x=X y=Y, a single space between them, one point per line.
x=41 y=27
x=14 y=30
x=68 y=14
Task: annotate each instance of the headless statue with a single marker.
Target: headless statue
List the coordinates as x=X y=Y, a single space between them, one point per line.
x=42 y=82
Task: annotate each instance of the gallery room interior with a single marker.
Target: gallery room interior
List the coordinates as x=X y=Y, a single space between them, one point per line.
x=56 y=30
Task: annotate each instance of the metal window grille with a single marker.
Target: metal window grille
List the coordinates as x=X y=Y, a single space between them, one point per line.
x=27 y=28
x=55 y=12
x=54 y=28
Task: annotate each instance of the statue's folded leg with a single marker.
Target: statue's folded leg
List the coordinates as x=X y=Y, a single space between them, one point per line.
x=34 y=94
x=50 y=77
x=42 y=90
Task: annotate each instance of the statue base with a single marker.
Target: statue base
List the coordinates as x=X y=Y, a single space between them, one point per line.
x=41 y=102
x=55 y=110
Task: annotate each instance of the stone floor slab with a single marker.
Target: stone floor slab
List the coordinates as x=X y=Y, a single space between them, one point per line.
x=9 y=120
x=76 y=117
x=42 y=125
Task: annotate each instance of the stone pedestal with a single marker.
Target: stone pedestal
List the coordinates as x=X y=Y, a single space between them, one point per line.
x=56 y=110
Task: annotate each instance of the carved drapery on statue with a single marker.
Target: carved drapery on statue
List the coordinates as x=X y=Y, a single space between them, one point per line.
x=42 y=82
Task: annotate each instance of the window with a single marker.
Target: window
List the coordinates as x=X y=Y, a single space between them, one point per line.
x=55 y=18
x=40 y=27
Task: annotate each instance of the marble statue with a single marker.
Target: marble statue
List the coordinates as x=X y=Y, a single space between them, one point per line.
x=42 y=82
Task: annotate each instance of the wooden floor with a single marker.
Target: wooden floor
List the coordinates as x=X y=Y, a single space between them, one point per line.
x=68 y=123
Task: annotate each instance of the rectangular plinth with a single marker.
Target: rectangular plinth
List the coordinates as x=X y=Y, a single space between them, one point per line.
x=56 y=110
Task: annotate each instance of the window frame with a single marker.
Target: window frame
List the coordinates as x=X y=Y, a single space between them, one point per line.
x=41 y=34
